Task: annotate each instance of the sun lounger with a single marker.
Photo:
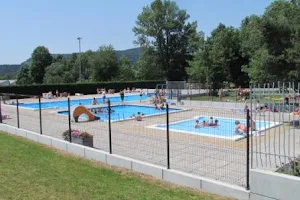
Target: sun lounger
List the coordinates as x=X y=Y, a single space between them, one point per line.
x=48 y=95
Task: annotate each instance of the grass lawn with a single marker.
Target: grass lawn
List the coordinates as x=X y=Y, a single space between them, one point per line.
x=230 y=97
x=32 y=171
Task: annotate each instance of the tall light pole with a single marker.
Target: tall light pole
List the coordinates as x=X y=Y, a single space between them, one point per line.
x=79 y=42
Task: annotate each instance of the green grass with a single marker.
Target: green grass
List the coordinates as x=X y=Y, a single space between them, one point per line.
x=230 y=97
x=32 y=171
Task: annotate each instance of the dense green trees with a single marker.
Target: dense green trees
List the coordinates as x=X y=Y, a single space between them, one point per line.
x=23 y=76
x=163 y=27
x=271 y=43
x=41 y=58
x=104 y=64
x=263 y=49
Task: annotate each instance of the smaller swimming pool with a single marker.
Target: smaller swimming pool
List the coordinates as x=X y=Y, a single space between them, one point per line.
x=225 y=130
x=123 y=112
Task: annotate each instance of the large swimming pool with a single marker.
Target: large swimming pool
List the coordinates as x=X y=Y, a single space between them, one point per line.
x=123 y=112
x=225 y=129
x=73 y=102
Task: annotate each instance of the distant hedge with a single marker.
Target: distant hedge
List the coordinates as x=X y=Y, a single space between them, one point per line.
x=84 y=88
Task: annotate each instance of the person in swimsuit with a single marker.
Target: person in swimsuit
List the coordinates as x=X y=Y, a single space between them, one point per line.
x=141 y=95
x=197 y=125
x=240 y=128
x=122 y=95
x=94 y=101
x=211 y=121
x=204 y=124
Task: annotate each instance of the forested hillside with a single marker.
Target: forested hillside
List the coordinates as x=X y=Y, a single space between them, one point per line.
x=131 y=54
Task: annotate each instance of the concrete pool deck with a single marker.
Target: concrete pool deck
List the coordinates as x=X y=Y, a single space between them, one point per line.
x=214 y=158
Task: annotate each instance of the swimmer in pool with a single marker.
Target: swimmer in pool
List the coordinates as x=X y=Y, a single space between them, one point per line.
x=197 y=125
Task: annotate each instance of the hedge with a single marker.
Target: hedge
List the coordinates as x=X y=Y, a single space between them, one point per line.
x=84 y=88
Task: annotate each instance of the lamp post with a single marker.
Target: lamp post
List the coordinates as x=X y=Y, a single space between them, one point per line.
x=79 y=42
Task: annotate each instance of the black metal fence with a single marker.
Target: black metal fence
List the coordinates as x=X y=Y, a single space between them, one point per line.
x=169 y=137
x=276 y=103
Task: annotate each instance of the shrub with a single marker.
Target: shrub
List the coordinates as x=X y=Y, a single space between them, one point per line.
x=76 y=133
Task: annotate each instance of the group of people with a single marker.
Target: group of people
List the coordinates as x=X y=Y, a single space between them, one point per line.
x=99 y=110
x=210 y=123
x=95 y=102
x=240 y=128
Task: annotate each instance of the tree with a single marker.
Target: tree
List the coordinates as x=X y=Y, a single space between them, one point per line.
x=163 y=26
x=126 y=72
x=58 y=73
x=105 y=64
x=220 y=59
x=23 y=76
x=274 y=53
x=250 y=35
x=147 y=66
x=40 y=59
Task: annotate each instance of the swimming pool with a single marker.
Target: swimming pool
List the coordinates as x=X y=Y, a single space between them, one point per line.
x=64 y=103
x=123 y=112
x=225 y=130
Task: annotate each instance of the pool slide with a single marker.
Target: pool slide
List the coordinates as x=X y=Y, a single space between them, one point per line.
x=79 y=110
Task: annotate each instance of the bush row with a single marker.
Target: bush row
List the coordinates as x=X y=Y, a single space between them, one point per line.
x=84 y=88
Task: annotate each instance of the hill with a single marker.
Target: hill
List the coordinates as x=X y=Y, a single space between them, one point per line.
x=132 y=55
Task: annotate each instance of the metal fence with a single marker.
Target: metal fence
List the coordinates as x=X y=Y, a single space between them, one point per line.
x=169 y=137
x=276 y=103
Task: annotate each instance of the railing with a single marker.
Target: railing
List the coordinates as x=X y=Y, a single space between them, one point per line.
x=277 y=102
x=167 y=138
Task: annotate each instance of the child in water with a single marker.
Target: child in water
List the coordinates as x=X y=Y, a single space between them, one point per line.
x=197 y=125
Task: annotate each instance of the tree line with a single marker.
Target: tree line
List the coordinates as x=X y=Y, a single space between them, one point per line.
x=264 y=48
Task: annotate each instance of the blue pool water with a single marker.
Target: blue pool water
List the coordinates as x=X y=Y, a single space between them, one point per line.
x=64 y=103
x=225 y=129
x=121 y=112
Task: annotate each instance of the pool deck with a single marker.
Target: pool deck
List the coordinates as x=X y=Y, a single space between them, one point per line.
x=214 y=158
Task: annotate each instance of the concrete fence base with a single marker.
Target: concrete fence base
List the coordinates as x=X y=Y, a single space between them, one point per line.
x=266 y=185
x=173 y=176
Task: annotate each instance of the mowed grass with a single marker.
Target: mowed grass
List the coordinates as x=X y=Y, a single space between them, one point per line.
x=32 y=171
x=230 y=97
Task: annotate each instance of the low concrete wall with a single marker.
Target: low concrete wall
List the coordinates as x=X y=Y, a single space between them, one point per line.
x=267 y=185
x=177 y=177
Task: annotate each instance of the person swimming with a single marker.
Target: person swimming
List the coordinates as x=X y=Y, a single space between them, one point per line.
x=215 y=124
x=204 y=123
x=197 y=125
x=211 y=121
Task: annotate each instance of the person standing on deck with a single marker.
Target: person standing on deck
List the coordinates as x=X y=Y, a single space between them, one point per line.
x=220 y=93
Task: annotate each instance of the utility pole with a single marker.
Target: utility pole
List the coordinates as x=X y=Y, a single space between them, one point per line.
x=79 y=42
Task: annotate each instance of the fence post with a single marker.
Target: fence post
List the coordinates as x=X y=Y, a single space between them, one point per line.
x=1 y=109
x=18 y=116
x=168 y=138
x=69 y=114
x=40 y=113
x=109 y=126
x=248 y=153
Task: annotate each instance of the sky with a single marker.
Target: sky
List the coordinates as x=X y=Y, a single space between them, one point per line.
x=26 y=24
